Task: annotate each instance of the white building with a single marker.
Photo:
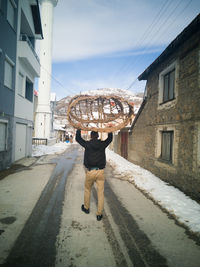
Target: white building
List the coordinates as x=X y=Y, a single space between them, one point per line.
x=43 y=112
x=27 y=69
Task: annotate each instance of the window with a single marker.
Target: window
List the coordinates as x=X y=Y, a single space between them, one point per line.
x=8 y=75
x=29 y=90
x=167 y=145
x=168 y=86
x=3 y=135
x=197 y=145
x=11 y=12
x=21 y=84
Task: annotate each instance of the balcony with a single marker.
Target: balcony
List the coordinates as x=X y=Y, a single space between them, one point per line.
x=28 y=55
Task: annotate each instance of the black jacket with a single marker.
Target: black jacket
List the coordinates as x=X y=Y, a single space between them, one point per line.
x=94 y=155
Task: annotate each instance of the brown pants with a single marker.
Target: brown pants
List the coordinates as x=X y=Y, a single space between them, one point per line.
x=91 y=177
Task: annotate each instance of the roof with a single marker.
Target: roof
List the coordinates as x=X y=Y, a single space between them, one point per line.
x=58 y=127
x=192 y=28
x=138 y=113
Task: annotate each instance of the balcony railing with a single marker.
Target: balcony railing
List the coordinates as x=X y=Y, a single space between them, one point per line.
x=39 y=141
x=24 y=37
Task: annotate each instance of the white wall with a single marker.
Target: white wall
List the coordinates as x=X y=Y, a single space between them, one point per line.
x=23 y=113
x=23 y=107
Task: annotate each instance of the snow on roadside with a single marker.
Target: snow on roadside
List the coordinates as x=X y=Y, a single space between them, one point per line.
x=185 y=210
x=41 y=150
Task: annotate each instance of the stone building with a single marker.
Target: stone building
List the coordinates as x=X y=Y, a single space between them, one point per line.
x=165 y=135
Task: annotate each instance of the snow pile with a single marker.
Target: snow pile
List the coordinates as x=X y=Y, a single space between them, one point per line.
x=41 y=150
x=184 y=209
x=58 y=127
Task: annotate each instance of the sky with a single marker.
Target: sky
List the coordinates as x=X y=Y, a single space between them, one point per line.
x=185 y=210
x=109 y=43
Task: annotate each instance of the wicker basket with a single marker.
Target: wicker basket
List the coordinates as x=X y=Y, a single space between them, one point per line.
x=99 y=113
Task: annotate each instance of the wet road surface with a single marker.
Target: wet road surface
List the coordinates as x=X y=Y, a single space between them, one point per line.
x=35 y=245
x=138 y=245
x=58 y=234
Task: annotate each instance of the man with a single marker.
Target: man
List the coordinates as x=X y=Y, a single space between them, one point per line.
x=95 y=162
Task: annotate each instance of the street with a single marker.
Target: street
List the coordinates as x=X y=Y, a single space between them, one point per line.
x=134 y=230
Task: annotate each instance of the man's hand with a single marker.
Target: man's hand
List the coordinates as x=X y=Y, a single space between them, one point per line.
x=78 y=126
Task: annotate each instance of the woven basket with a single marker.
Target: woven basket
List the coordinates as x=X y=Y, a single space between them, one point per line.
x=99 y=113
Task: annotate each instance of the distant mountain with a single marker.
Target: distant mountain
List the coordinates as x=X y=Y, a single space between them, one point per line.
x=60 y=113
x=62 y=105
x=128 y=95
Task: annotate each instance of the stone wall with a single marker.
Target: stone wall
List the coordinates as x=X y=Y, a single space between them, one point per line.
x=182 y=115
x=116 y=144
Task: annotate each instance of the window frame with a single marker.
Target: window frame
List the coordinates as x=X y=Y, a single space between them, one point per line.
x=163 y=155
x=12 y=64
x=11 y=21
x=27 y=93
x=167 y=88
x=172 y=100
x=6 y=135
x=176 y=142
x=22 y=92
x=0 y=5
x=198 y=146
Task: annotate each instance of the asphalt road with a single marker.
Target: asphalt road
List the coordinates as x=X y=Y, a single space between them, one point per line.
x=134 y=231
x=35 y=245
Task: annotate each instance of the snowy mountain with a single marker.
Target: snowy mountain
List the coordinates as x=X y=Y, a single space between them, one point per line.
x=62 y=105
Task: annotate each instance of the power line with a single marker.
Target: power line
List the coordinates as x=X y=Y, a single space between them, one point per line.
x=155 y=34
x=58 y=82
x=148 y=30
x=164 y=28
x=168 y=26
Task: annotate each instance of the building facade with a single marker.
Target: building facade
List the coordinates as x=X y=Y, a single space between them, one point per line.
x=27 y=69
x=20 y=28
x=165 y=135
x=8 y=50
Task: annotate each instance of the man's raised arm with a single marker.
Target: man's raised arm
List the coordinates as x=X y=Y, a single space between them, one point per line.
x=109 y=139
x=79 y=139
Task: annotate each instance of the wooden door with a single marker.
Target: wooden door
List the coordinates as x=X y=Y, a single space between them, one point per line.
x=124 y=144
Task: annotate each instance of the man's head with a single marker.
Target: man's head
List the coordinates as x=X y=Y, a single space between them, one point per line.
x=94 y=135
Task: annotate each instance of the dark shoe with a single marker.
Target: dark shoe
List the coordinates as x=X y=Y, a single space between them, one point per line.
x=99 y=217
x=85 y=210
